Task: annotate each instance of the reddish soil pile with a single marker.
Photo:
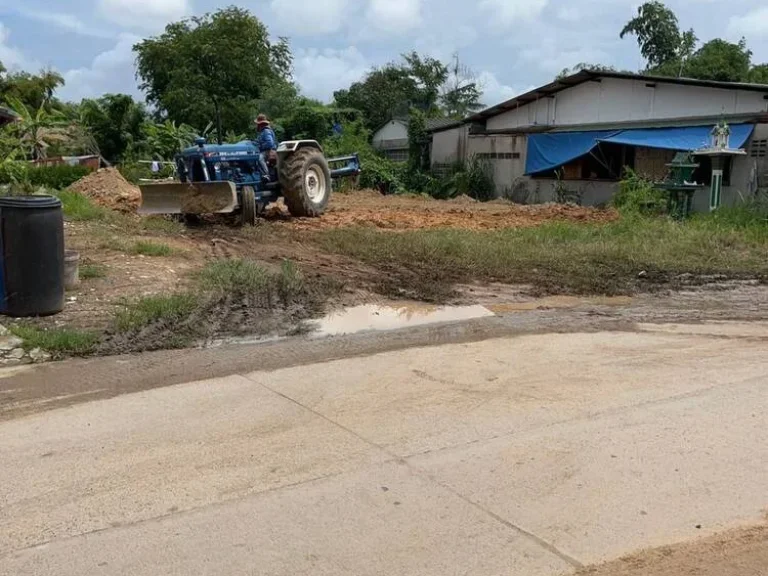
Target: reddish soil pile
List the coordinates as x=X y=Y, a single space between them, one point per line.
x=108 y=188
x=369 y=208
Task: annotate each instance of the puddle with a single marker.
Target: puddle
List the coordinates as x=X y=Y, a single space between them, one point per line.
x=372 y=317
x=560 y=302
x=239 y=340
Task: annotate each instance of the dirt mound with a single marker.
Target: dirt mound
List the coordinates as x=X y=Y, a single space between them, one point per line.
x=108 y=188
x=414 y=212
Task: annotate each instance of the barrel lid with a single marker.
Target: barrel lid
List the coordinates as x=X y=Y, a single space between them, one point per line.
x=34 y=202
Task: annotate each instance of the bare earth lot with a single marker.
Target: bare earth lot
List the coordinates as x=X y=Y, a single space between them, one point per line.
x=278 y=237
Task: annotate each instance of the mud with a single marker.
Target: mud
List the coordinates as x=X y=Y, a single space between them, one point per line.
x=221 y=316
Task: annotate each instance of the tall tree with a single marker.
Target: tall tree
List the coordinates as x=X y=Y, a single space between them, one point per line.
x=758 y=74
x=461 y=92
x=34 y=91
x=720 y=60
x=429 y=75
x=657 y=31
x=383 y=94
x=212 y=67
x=117 y=124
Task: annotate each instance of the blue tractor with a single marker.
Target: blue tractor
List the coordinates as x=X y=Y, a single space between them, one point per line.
x=225 y=178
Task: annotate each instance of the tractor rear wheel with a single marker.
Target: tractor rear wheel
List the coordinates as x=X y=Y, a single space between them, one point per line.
x=306 y=182
x=248 y=206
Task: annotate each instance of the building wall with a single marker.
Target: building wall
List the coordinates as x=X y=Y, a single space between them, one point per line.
x=449 y=146
x=506 y=154
x=620 y=100
x=392 y=130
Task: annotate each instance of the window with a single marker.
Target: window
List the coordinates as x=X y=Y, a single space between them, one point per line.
x=498 y=155
x=759 y=149
x=396 y=155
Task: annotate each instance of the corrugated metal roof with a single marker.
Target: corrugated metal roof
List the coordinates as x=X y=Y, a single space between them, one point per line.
x=587 y=75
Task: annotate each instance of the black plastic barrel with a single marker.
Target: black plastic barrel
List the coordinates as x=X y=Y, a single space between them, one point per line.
x=31 y=256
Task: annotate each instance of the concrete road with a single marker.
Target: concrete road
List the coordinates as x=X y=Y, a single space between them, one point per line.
x=531 y=455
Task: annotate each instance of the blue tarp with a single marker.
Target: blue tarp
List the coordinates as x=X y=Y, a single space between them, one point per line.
x=548 y=151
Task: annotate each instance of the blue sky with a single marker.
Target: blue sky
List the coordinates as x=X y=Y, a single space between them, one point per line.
x=512 y=45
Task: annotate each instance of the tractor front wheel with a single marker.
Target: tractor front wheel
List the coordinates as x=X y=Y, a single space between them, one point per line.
x=306 y=182
x=248 y=206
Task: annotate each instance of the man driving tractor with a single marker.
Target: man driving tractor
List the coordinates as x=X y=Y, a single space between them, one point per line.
x=267 y=142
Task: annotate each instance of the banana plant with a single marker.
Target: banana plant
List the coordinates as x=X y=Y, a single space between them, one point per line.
x=38 y=129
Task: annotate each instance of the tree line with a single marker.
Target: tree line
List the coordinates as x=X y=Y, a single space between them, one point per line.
x=210 y=75
x=670 y=51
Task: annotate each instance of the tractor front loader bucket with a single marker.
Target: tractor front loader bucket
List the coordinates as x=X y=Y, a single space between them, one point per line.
x=188 y=198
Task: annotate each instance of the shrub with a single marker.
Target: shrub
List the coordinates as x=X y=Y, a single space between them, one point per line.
x=474 y=179
x=135 y=172
x=378 y=172
x=636 y=195
x=53 y=177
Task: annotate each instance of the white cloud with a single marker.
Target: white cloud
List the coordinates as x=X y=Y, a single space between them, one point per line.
x=754 y=23
x=145 y=14
x=312 y=17
x=550 y=57
x=494 y=91
x=504 y=13
x=569 y=13
x=110 y=72
x=394 y=16
x=11 y=57
x=65 y=21
x=320 y=72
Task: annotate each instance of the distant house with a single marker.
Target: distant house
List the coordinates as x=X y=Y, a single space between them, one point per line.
x=7 y=116
x=391 y=140
x=581 y=131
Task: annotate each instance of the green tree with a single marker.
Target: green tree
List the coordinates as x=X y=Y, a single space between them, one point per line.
x=38 y=129
x=418 y=142
x=116 y=123
x=34 y=91
x=166 y=139
x=657 y=31
x=758 y=74
x=461 y=92
x=720 y=60
x=584 y=66
x=212 y=67
x=383 y=94
x=429 y=76
x=392 y=90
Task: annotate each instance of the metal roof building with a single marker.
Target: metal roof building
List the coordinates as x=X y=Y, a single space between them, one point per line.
x=582 y=130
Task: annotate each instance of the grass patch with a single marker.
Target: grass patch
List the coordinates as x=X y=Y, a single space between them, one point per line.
x=162 y=225
x=153 y=309
x=565 y=257
x=80 y=208
x=92 y=271
x=153 y=249
x=234 y=276
x=57 y=341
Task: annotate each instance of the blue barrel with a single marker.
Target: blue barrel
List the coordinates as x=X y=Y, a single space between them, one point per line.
x=31 y=256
